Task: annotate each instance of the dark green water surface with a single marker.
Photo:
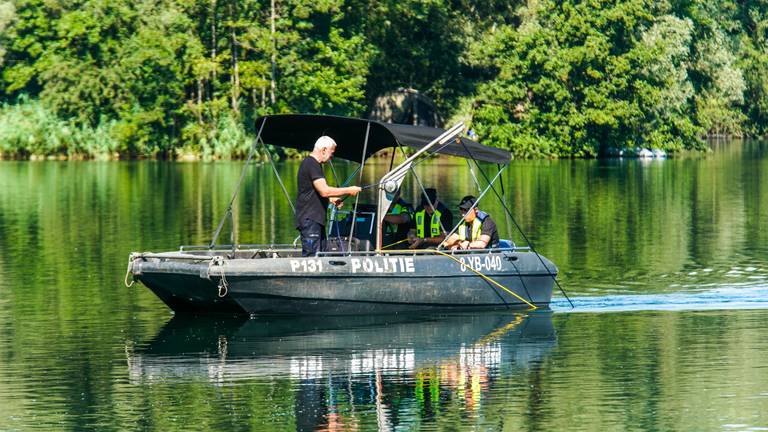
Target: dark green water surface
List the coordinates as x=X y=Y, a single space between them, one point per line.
x=665 y=260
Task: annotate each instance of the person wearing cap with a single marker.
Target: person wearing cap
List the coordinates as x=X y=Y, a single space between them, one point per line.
x=432 y=218
x=313 y=196
x=477 y=229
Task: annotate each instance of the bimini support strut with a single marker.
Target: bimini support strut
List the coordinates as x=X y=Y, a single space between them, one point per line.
x=390 y=182
x=228 y=211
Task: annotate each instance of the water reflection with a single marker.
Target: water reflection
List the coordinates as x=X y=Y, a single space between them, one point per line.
x=338 y=365
x=638 y=238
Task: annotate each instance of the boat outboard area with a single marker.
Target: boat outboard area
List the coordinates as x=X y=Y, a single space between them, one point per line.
x=358 y=273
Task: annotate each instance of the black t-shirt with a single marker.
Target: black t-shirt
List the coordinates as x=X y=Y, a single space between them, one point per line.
x=309 y=204
x=489 y=228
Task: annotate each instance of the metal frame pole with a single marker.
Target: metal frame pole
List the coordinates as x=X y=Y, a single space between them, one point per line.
x=357 y=197
x=228 y=212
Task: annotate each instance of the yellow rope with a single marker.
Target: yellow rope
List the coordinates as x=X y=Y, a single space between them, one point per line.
x=473 y=270
x=392 y=244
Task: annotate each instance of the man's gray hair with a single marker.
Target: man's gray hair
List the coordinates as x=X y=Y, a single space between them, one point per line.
x=324 y=142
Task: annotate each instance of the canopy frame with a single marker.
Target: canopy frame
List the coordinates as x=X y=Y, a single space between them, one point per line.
x=299 y=131
x=391 y=181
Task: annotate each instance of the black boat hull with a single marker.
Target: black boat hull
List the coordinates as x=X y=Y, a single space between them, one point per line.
x=349 y=285
x=340 y=296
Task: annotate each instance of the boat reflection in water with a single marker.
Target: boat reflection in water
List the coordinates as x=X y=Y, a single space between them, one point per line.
x=363 y=361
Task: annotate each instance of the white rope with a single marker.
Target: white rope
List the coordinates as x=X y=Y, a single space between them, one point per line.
x=128 y=272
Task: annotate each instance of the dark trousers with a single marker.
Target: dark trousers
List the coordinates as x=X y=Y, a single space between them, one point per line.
x=312 y=237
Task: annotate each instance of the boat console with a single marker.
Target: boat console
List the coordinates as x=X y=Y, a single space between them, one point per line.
x=341 y=226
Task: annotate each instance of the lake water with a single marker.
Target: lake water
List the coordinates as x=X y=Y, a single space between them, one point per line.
x=666 y=262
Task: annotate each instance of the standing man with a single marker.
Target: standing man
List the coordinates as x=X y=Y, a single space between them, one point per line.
x=314 y=194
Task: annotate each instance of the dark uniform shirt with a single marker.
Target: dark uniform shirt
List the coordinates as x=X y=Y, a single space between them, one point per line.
x=489 y=228
x=309 y=204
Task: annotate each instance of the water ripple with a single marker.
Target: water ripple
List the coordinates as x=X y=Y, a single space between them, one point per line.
x=742 y=296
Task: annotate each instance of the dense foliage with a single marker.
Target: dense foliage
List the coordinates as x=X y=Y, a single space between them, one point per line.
x=541 y=78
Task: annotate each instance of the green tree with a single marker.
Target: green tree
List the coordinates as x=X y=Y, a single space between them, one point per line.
x=718 y=81
x=155 y=65
x=718 y=103
x=565 y=80
x=7 y=14
x=418 y=44
x=663 y=89
x=29 y=36
x=753 y=61
x=176 y=71
x=321 y=67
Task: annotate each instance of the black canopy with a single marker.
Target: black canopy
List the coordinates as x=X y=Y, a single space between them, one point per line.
x=300 y=131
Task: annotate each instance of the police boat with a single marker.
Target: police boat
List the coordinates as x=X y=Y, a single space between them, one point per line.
x=358 y=274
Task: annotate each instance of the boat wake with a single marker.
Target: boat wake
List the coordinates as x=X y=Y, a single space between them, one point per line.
x=725 y=297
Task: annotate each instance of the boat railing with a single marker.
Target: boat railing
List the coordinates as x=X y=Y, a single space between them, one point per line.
x=229 y=247
x=253 y=251
x=423 y=252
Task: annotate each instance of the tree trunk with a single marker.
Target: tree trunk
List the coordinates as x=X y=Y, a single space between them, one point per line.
x=213 y=39
x=273 y=78
x=263 y=96
x=199 y=108
x=235 y=72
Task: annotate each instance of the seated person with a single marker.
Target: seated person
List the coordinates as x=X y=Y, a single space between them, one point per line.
x=431 y=222
x=476 y=231
x=397 y=221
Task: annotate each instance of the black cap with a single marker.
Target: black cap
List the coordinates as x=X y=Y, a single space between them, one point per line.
x=432 y=194
x=467 y=202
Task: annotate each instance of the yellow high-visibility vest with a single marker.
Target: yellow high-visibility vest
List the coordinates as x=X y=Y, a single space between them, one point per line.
x=396 y=210
x=477 y=225
x=434 y=224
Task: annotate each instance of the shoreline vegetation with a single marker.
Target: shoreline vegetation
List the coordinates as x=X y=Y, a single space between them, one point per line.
x=548 y=79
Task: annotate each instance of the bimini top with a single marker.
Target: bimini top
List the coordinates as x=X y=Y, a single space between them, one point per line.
x=300 y=131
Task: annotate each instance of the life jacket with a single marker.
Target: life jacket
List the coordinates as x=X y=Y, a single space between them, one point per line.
x=475 y=230
x=396 y=210
x=434 y=224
